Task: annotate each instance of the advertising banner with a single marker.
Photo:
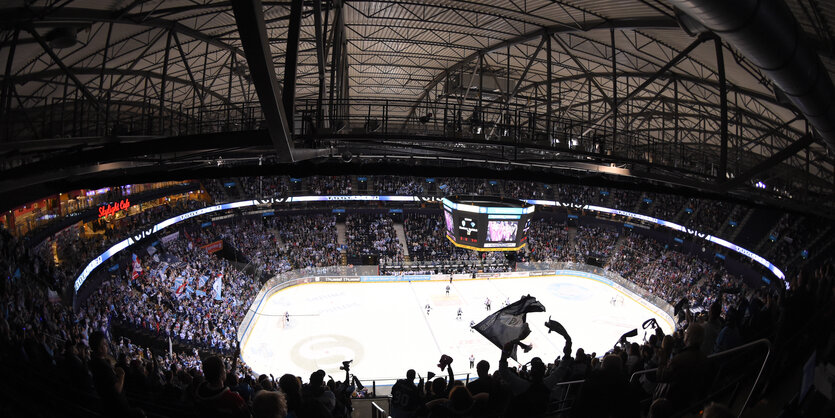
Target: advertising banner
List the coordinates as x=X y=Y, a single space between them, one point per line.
x=213 y=247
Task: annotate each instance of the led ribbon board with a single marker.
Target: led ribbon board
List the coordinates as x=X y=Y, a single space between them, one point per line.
x=672 y=225
x=497 y=213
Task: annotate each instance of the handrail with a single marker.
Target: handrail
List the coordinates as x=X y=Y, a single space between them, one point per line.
x=377 y=412
x=727 y=353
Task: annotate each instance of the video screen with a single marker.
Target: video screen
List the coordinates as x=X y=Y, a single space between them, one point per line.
x=502 y=231
x=449 y=222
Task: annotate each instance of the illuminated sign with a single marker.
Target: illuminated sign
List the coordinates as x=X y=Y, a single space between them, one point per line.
x=111 y=209
x=672 y=225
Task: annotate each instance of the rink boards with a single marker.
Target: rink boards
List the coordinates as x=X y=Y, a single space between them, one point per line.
x=384 y=327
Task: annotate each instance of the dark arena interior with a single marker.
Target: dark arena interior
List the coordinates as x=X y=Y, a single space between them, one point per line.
x=321 y=208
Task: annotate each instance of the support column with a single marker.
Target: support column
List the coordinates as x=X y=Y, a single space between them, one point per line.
x=614 y=93
x=723 y=109
x=290 y=61
x=548 y=88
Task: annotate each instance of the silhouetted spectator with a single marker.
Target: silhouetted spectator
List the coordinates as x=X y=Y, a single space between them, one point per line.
x=214 y=398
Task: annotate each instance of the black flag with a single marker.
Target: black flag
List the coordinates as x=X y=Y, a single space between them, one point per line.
x=508 y=324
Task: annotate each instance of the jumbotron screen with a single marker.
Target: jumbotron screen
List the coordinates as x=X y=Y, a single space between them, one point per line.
x=487 y=224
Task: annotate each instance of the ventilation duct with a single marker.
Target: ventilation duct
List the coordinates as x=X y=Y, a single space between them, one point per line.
x=63 y=37
x=766 y=32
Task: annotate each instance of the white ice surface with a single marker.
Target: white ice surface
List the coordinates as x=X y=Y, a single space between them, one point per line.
x=384 y=328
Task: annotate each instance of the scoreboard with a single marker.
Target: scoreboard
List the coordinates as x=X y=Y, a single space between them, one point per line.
x=487 y=224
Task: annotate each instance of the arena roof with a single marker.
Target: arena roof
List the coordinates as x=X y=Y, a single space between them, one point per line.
x=97 y=89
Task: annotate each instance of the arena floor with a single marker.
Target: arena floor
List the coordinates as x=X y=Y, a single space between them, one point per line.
x=384 y=327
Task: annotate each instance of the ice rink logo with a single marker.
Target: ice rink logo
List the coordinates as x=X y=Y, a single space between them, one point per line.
x=326 y=352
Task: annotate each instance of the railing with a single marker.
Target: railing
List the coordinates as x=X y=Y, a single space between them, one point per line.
x=377 y=412
x=563 y=395
x=515 y=123
x=428 y=267
x=734 y=372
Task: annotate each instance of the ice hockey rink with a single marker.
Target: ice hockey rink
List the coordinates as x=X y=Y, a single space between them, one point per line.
x=384 y=327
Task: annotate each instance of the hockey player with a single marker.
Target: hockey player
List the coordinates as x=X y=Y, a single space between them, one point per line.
x=447 y=290
x=428 y=308
x=286 y=318
x=487 y=304
x=472 y=361
x=472 y=324
x=460 y=312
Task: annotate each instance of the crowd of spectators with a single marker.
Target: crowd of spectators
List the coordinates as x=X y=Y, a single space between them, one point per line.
x=573 y=193
x=171 y=299
x=307 y=240
x=791 y=242
x=216 y=189
x=373 y=235
x=594 y=241
x=677 y=373
x=397 y=185
x=708 y=215
x=665 y=206
x=547 y=241
x=70 y=249
x=328 y=185
x=523 y=190
x=263 y=186
x=625 y=199
x=426 y=240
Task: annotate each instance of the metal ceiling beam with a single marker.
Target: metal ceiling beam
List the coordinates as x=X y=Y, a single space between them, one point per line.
x=48 y=75
x=777 y=158
x=249 y=16
x=648 y=81
x=57 y=60
x=188 y=66
x=6 y=94
x=654 y=22
x=162 y=83
x=582 y=68
x=681 y=77
x=9 y=17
